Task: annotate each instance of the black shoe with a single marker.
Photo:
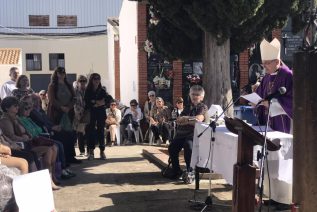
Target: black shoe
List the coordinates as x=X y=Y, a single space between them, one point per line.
x=270 y=202
x=74 y=160
x=282 y=207
x=172 y=174
x=65 y=175
x=102 y=156
x=70 y=173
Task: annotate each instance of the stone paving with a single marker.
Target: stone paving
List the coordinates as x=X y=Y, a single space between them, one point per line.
x=128 y=181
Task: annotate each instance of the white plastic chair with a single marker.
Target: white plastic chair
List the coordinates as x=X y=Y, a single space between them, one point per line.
x=137 y=135
x=118 y=134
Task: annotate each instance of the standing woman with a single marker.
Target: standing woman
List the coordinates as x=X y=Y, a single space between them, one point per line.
x=60 y=108
x=23 y=87
x=96 y=100
x=81 y=116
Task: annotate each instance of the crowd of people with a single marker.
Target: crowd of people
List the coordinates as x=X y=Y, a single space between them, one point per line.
x=40 y=130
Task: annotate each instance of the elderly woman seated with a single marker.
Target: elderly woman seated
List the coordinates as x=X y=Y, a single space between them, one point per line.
x=131 y=121
x=15 y=131
x=159 y=121
x=113 y=121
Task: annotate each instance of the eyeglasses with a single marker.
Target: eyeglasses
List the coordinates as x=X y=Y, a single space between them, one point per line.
x=113 y=104
x=96 y=78
x=82 y=81
x=195 y=94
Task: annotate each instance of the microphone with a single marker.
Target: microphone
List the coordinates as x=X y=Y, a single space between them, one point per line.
x=213 y=123
x=281 y=91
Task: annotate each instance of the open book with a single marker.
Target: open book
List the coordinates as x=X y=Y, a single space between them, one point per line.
x=275 y=109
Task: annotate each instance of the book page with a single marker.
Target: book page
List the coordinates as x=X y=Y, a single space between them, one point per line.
x=253 y=98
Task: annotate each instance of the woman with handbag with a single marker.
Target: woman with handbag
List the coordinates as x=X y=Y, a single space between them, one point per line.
x=15 y=131
x=113 y=120
x=60 y=110
x=82 y=116
x=159 y=117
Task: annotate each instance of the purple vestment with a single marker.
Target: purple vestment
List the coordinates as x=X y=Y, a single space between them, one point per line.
x=270 y=84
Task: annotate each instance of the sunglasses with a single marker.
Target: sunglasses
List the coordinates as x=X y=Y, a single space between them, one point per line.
x=96 y=78
x=113 y=104
x=27 y=108
x=179 y=102
x=82 y=81
x=133 y=105
x=61 y=72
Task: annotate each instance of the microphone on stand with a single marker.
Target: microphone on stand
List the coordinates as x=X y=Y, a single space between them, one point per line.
x=281 y=91
x=212 y=124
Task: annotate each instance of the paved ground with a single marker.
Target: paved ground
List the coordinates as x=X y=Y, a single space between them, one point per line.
x=127 y=181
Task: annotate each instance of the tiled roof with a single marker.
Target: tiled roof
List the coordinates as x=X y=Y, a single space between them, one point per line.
x=9 y=56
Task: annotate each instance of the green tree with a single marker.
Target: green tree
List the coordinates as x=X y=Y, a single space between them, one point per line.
x=210 y=28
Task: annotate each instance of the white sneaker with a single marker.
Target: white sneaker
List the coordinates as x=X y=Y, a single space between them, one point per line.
x=158 y=142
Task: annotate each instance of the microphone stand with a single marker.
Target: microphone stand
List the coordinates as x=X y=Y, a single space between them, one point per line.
x=263 y=157
x=208 y=202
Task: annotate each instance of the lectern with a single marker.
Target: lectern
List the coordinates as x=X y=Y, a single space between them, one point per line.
x=243 y=193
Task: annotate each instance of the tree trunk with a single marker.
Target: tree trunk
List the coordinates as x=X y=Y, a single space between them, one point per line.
x=216 y=78
x=305 y=134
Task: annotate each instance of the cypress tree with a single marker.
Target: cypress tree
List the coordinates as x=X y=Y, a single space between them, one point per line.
x=189 y=29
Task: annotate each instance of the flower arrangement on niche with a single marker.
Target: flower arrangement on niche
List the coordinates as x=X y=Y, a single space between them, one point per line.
x=153 y=20
x=163 y=80
x=148 y=47
x=193 y=79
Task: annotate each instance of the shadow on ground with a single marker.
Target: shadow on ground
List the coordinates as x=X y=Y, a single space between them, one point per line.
x=86 y=175
x=161 y=200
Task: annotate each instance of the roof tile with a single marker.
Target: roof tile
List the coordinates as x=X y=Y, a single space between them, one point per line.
x=9 y=56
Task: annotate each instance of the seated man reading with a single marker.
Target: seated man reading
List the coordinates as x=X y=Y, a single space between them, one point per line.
x=195 y=111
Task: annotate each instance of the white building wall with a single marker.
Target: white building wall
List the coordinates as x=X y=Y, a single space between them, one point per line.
x=128 y=51
x=82 y=55
x=15 y=13
x=111 y=61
